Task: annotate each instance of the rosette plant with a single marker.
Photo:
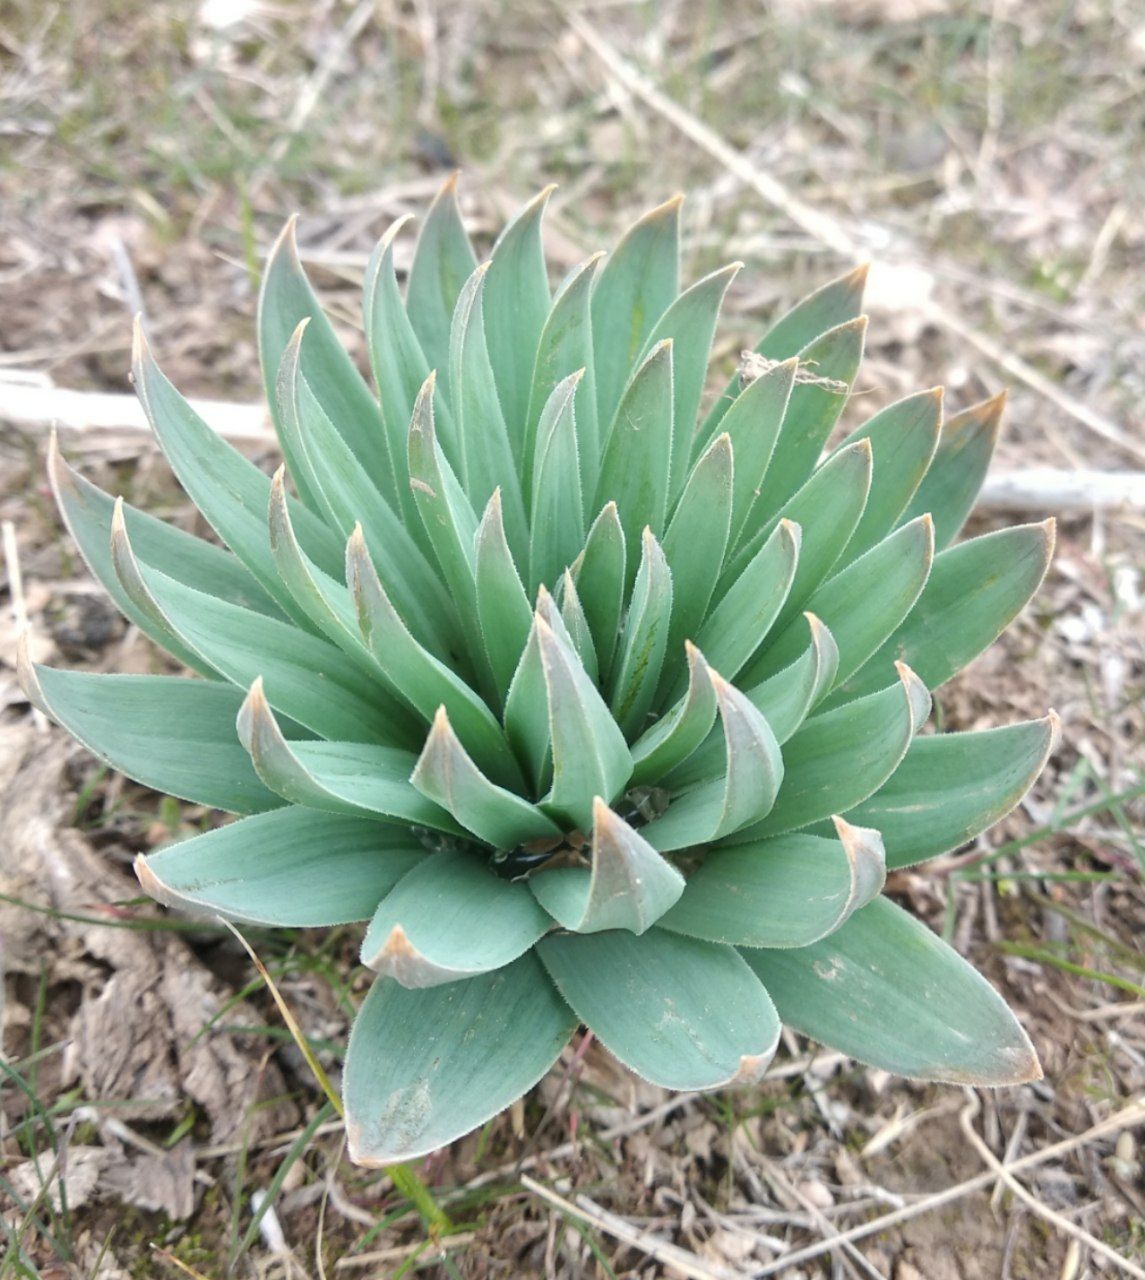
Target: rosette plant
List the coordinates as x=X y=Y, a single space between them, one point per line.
x=595 y=709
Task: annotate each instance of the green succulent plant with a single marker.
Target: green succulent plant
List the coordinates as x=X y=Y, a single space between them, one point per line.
x=598 y=712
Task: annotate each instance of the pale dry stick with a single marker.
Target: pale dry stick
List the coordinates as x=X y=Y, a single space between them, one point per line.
x=1004 y=1172
x=1127 y=1118
x=401 y=1251
x=828 y=230
x=18 y=602
x=679 y=1260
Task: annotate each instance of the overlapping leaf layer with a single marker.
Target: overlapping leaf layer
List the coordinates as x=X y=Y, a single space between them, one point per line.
x=596 y=712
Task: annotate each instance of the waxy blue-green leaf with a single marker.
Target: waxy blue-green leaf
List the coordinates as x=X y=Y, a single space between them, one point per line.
x=697 y=538
x=959 y=466
x=683 y=1014
x=359 y=778
x=835 y=303
x=502 y=606
x=590 y=755
x=644 y=640
x=788 y=891
x=423 y=934
x=975 y=590
x=231 y=492
x=887 y=991
x=950 y=787
x=637 y=284
x=738 y=625
x=400 y=368
x=740 y=795
x=576 y=623
x=565 y=346
x=294 y=867
x=424 y=681
x=447 y=775
x=286 y=300
x=829 y=365
x=87 y=513
x=600 y=573
x=629 y=886
x=307 y=678
x=753 y=422
x=690 y=323
x=442 y=262
x=903 y=438
x=863 y=603
x=638 y=451
x=556 y=534
x=681 y=731
x=127 y=722
x=789 y=696
x=839 y=758
x=486 y=459
x=526 y=717
x=516 y=306
x=426 y=1066
x=348 y=496
x=827 y=509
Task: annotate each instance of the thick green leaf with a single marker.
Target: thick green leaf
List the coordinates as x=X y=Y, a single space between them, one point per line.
x=307 y=679
x=399 y=366
x=887 y=991
x=451 y=918
x=638 y=450
x=681 y=1013
x=557 y=530
x=788 y=697
x=517 y=297
x=486 y=455
x=600 y=575
x=811 y=413
x=950 y=486
x=789 y=891
x=738 y=625
x=753 y=422
x=863 y=603
x=676 y=735
x=576 y=623
x=424 y=681
x=502 y=605
x=903 y=438
x=87 y=513
x=566 y=346
x=690 y=323
x=629 y=886
x=839 y=758
x=425 y=1067
x=285 y=301
x=590 y=755
x=636 y=286
x=827 y=509
x=644 y=641
x=359 y=778
x=974 y=592
x=697 y=538
x=127 y=722
x=348 y=496
x=442 y=262
x=741 y=794
x=293 y=867
x=231 y=492
x=527 y=714
x=447 y=775
x=950 y=787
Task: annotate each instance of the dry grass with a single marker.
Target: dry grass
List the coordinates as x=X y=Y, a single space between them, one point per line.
x=989 y=154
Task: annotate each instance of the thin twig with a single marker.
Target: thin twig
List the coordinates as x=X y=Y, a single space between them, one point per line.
x=18 y=602
x=966 y=1119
